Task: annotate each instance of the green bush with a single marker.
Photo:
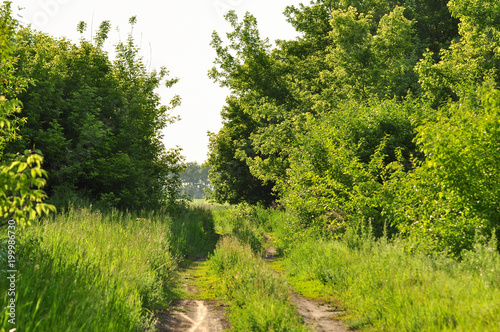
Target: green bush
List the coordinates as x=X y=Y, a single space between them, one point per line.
x=337 y=171
x=455 y=192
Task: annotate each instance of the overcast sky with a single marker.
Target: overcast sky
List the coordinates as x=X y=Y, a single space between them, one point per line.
x=175 y=34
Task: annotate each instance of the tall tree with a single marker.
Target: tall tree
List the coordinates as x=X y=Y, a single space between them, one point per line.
x=98 y=121
x=345 y=50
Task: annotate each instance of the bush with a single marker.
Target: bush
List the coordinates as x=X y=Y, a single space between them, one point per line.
x=455 y=192
x=337 y=171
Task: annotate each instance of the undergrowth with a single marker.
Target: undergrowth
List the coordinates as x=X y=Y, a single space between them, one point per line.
x=384 y=288
x=84 y=270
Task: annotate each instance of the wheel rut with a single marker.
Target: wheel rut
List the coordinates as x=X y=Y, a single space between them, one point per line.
x=193 y=315
x=319 y=317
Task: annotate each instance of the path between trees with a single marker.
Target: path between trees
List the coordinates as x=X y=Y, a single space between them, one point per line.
x=194 y=315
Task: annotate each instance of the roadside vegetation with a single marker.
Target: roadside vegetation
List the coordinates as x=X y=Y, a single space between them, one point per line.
x=377 y=283
x=382 y=287
x=370 y=141
x=366 y=150
x=87 y=270
x=257 y=297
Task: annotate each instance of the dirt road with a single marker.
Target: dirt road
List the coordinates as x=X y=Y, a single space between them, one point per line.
x=194 y=316
x=320 y=317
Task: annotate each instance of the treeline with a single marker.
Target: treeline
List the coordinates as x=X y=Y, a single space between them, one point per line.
x=195 y=180
x=96 y=121
x=381 y=113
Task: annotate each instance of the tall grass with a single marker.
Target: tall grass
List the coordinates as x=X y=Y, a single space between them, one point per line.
x=85 y=270
x=384 y=288
x=258 y=298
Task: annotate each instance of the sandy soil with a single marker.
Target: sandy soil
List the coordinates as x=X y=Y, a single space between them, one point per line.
x=194 y=316
x=318 y=316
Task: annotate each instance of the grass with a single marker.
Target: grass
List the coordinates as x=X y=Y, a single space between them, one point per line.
x=84 y=270
x=384 y=288
x=90 y=271
x=258 y=297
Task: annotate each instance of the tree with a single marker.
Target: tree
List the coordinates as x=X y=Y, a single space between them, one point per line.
x=21 y=175
x=469 y=59
x=98 y=121
x=229 y=175
x=195 y=180
x=345 y=50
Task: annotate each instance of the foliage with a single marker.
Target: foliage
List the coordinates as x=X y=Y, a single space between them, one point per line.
x=338 y=170
x=455 y=192
x=358 y=167
x=345 y=51
x=21 y=176
x=355 y=124
x=230 y=176
x=98 y=121
x=194 y=180
x=469 y=59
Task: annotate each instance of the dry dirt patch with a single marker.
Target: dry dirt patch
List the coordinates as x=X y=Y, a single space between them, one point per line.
x=318 y=316
x=194 y=316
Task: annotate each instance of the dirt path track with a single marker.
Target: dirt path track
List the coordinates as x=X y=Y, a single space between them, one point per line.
x=194 y=316
x=319 y=317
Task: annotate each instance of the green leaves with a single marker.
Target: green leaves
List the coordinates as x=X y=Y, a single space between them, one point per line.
x=98 y=121
x=21 y=196
x=470 y=59
x=21 y=176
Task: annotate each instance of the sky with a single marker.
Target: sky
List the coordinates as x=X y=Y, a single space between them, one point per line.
x=175 y=34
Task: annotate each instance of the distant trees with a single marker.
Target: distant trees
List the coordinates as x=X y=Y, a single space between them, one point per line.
x=97 y=121
x=195 y=180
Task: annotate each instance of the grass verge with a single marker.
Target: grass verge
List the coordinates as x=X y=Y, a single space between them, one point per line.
x=258 y=298
x=90 y=271
x=384 y=288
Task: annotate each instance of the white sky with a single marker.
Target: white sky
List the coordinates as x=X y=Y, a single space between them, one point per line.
x=179 y=33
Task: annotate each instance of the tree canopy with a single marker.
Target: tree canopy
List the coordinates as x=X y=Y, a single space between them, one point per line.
x=98 y=121
x=380 y=112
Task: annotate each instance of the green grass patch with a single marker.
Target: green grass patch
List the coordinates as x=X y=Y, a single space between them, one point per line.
x=201 y=284
x=258 y=297
x=384 y=288
x=85 y=270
